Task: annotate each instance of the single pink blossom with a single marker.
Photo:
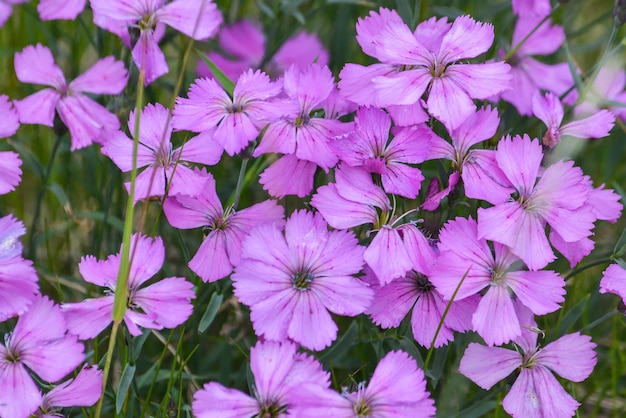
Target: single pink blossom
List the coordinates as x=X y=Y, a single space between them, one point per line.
x=198 y=19
x=60 y=9
x=164 y=304
x=87 y=120
x=536 y=393
x=293 y=281
x=225 y=231
x=40 y=343
x=83 y=390
x=534 y=8
x=168 y=169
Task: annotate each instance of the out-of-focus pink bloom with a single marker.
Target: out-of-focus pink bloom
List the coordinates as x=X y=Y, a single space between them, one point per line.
x=198 y=19
x=607 y=91
x=10 y=172
x=291 y=282
x=6 y=8
x=18 y=278
x=435 y=67
x=614 y=281
x=83 y=390
x=40 y=343
x=8 y=115
x=369 y=146
x=536 y=393
x=233 y=122
x=164 y=304
x=226 y=230
x=549 y=109
x=87 y=120
x=532 y=8
x=557 y=198
x=415 y=292
x=397 y=389
x=244 y=42
x=504 y=286
x=168 y=169
x=280 y=373
x=60 y=9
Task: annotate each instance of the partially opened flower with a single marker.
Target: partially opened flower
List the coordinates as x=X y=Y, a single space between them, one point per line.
x=39 y=344
x=10 y=172
x=167 y=169
x=536 y=393
x=198 y=19
x=163 y=304
x=87 y=120
x=226 y=230
x=292 y=282
x=83 y=390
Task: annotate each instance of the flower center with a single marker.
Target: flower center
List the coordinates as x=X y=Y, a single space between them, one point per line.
x=301 y=120
x=147 y=22
x=302 y=280
x=362 y=409
x=272 y=410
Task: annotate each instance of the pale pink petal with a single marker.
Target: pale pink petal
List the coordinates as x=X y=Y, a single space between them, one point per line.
x=147 y=256
x=426 y=318
x=19 y=395
x=522 y=172
x=480 y=81
x=211 y=261
x=544 y=41
x=540 y=291
x=55 y=9
x=478 y=127
x=18 y=287
x=605 y=203
x=408 y=115
x=312 y=142
x=87 y=120
x=149 y=57
x=119 y=148
x=356 y=82
x=597 y=125
x=346 y=296
x=169 y=300
x=243 y=39
x=216 y=401
x=575 y=251
x=83 y=390
x=10 y=122
x=449 y=102
x=106 y=76
x=309 y=85
x=309 y=313
x=495 y=319
x=300 y=50
x=288 y=176
x=466 y=38
x=571 y=226
x=272 y=316
x=402 y=180
x=430 y=32
x=38 y=108
x=356 y=184
x=206 y=106
x=486 y=366
x=534 y=8
x=339 y=212
x=199 y=149
x=196 y=19
x=549 y=110
x=393 y=301
x=5 y=13
x=614 y=281
x=412 y=83
x=387 y=256
x=572 y=357
x=87 y=319
x=483 y=179
x=155 y=127
x=35 y=64
x=10 y=172
x=434 y=196
x=53 y=360
x=99 y=272
x=279 y=137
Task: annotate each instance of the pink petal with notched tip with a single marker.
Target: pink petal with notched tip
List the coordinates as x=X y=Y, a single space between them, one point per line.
x=106 y=76
x=55 y=9
x=288 y=176
x=35 y=64
x=309 y=313
x=300 y=50
x=483 y=179
x=87 y=120
x=478 y=127
x=10 y=172
x=88 y=318
x=196 y=19
x=614 y=281
x=572 y=357
x=340 y=212
x=10 y=121
x=387 y=256
x=402 y=180
x=545 y=39
x=216 y=401
x=495 y=318
x=486 y=366
x=206 y=106
x=540 y=291
x=155 y=127
x=119 y=148
x=466 y=38
x=149 y=57
x=449 y=102
x=168 y=300
x=575 y=251
x=38 y=108
x=18 y=287
x=83 y=390
x=16 y=384
x=521 y=172
x=243 y=39
x=211 y=261
x=412 y=84
x=597 y=125
x=356 y=82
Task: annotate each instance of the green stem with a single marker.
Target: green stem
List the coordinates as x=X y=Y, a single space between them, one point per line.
x=242 y=173
x=107 y=367
x=587 y=266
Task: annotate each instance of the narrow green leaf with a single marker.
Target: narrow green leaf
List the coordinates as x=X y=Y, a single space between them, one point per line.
x=441 y=355
x=572 y=67
x=58 y=191
x=30 y=160
x=266 y=9
x=620 y=246
x=122 y=389
x=405 y=12
x=342 y=344
x=136 y=344
x=211 y=310
x=478 y=410
x=573 y=315
x=221 y=78
x=409 y=346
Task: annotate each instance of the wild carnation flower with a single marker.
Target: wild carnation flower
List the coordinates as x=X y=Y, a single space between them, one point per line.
x=557 y=198
x=536 y=393
x=397 y=389
x=87 y=120
x=164 y=304
x=38 y=342
x=10 y=172
x=507 y=291
x=291 y=282
x=83 y=390
x=18 y=278
x=238 y=120
x=549 y=109
x=167 y=167
x=226 y=230
x=280 y=373
x=198 y=19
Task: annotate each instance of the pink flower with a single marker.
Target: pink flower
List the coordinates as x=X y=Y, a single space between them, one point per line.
x=557 y=198
x=10 y=172
x=279 y=373
x=198 y=19
x=164 y=304
x=226 y=230
x=238 y=120
x=83 y=390
x=534 y=8
x=39 y=342
x=18 y=278
x=614 y=281
x=505 y=288
x=168 y=170
x=87 y=120
x=530 y=75
x=291 y=282
x=6 y=8
x=369 y=146
x=60 y=9
x=288 y=175
x=434 y=67
x=549 y=109
x=397 y=389
x=536 y=393
x=607 y=90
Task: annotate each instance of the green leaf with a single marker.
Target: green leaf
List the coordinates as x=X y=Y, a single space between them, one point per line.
x=478 y=410
x=405 y=12
x=573 y=315
x=136 y=344
x=61 y=197
x=122 y=389
x=409 y=346
x=211 y=310
x=620 y=246
x=221 y=78
x=346 y=341
x=29 y=158
x=441 y=355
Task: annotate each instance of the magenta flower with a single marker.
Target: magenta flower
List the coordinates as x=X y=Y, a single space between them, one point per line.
x=434 y=67
x=530 y=75
x=38 y=342
x=168 y=171
x=83 y=390
x=536 y=393
x=87 y=120
x=534 y=8
x=238 y=120
x=196 y=19
x=226 y=230
x=369 y=146
x=279 y=373
x=558 y=198
x=549 y=109
x=496 y=275
x=164 y=304
x=614 y=281
x=397 y=389
x=10 y=172
x=60 y=9
x=291 y=282
x=18 y=278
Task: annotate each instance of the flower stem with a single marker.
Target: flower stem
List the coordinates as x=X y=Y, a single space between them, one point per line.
x=242 y=173
x=107 y=366
x=587 y=266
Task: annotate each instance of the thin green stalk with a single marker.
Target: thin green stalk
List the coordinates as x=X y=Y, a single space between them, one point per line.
x=600 y=320
x=598 y=67
x=520 y=43
x=242 y=173
x=107 y=367
x=587 y=266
